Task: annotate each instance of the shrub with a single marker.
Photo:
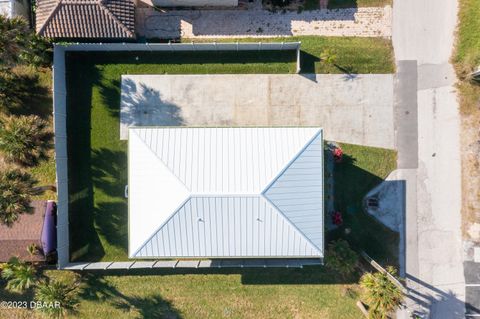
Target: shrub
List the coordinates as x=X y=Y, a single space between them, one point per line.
x=18 y=274
x=381 y=294
x=24 y=140
x=16 y=188
x=341 y=258
x=60 y=298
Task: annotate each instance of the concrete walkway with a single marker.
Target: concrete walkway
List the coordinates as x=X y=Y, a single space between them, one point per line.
x=358 y=22
x=423 y=32
x=352 y=110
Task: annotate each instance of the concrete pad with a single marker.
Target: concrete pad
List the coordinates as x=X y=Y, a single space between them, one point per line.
x=357 y=110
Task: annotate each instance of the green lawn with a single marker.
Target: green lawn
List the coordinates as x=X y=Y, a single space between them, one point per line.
x=467 y=55
x=357 y=55
x=311 y=292
x=362 y=169
x=336 y=4
x=97 y=158
x=466 y=59
x=37 y=99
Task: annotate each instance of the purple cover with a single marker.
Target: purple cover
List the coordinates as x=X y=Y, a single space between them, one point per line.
x=49 y=230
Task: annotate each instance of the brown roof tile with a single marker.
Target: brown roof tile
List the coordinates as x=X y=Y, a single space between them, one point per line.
x=86 y=18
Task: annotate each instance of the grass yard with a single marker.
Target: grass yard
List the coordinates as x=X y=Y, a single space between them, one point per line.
x=357 y=55
x=311 y=292
x=361 y=170
x=97 y=158
x=338 y=4
x=466 y=59
x=36 y=86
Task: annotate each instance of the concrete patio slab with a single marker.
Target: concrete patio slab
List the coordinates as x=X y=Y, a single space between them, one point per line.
x=356 y=110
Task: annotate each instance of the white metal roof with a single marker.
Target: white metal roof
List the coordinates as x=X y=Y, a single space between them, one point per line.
x=225 y=192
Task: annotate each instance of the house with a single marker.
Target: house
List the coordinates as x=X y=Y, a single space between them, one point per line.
x=225 y=192
x=15 y=8
x=86 y=19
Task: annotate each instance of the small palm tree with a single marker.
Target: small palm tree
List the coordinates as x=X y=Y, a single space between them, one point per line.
x=16 y=189
x=32 y=249
x=341 y=258
x=381 y=294
x=62 y=297
x=18 y=274
x=24 y=139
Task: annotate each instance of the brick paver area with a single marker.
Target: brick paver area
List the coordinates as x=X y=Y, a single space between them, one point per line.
x=358 y=22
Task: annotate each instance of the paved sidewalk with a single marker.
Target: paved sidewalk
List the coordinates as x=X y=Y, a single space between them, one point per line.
x=358 y=22
x=352 y=110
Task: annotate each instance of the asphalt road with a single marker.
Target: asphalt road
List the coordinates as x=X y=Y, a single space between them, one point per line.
x=423 y=31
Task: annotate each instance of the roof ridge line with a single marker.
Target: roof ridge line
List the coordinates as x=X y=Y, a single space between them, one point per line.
x=294 y=158
x=301 y=233
x=175 y=211
x=50 y=15
x=120 y=23
x=163 y=163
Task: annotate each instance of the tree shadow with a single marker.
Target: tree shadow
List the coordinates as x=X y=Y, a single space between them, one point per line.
x=142 y=105
x=111 y=219
x=27 y=95
x=109 y=171
x=97 y=288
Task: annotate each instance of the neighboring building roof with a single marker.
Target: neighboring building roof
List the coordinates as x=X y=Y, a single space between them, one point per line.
x=86 y=18
x=24 y=232
x=225 y=192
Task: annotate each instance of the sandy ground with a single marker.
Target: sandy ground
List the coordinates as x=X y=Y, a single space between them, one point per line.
x=350 y=110
x=424 y=31
x=359 y=22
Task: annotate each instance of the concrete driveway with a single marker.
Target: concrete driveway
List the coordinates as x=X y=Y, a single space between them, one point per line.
x=355 y=110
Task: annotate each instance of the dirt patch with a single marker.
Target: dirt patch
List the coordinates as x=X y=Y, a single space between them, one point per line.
x=470 y=137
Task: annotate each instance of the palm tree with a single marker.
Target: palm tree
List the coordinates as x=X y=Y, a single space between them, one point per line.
x=16 y=189
x=61 y=295
x=24 y=139
x=381 y=294
x=14 y=34
x=341 y=258
x=18 y=274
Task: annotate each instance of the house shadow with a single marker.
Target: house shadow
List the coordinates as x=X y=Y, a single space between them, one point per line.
x=360 y=229
x=142 y=105
x=172 y=24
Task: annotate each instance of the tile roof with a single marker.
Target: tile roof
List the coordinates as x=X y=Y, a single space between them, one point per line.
x=86 y=18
